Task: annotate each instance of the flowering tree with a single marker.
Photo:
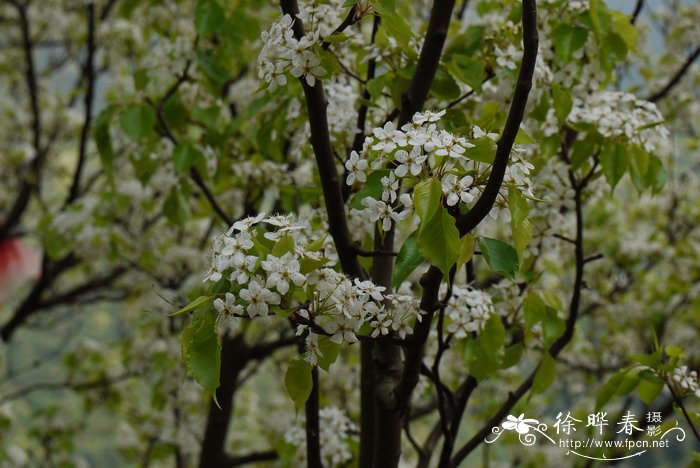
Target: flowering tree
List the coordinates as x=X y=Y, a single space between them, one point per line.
x=381 y=227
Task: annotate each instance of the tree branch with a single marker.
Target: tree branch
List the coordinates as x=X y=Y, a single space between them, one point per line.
x=320 y=141
x=89 y=72
x=676 y=78
x=485 y=202
x=31 y=179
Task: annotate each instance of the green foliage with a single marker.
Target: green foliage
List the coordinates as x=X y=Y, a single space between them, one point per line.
x=544 y=377
x=137 y=121
x=568 y=39
x=438 y=240
x=298 y=382
x=409 y=259
x=201 y=350
x=520 y=224
x=501 y=257
x=614 y=159
x=484 y=354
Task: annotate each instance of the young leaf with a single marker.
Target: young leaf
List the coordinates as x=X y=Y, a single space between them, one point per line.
x=298 y=382
x=201 y=351
x=196 y=304
x=329 y=352
x=613 y=159
x=137 y=121
x=545 y=374
x=426 y=199
x=501 y=257
x=438 y=240
x=408 y=260
x=209 y=17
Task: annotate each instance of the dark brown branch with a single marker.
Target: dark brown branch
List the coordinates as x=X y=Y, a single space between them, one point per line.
x=515 y=116
x=50 y=270
x=89 y=71
x=637 y=10
x=316 y=105
x=194 y=173
x=241 y=460
x=429 y=60
x=313 y=424
x=430 y=281
x=677 y=77
x=556 y=347
x=349 y=20
x=30 y=181
x=67 y=385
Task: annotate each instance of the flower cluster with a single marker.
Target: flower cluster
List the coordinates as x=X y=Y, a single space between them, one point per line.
x=269 y=264
x=621 y=115
x=282 y=53
x=468 y=310
x=688 y=380
x=335 y=437
x=419 y=151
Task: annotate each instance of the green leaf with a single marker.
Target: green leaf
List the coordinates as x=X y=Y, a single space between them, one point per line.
x=562 y=103
x=175 y=207
x=568 y=39
x=197 y=303
x=650 y=385
x=493 y=336
x=626 y=30
x=426 y=199
x=613 y=159
x=184 y=157
x=468 y=70
x=469 y=42
x=409 y=259
x=501 y=257
x=103 y=142
x=209 y=17
x=553 y=326
x=329 y=352
x=438 y=240
x=298 y=382
x=609 y=389
x=137 y=121
x=484 y=150
x=466 y=249
x=393 y=24
x=201 y=351
x=544 y=377
x=520 y=224
x=373 y=188
x=522 y=138
x=534 y=309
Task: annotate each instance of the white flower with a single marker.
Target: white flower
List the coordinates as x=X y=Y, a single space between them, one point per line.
x=228 y=310
x=246 y=224
x=258 y=299
x=282 y=271
x=457 y=189
x=378 y=210
x=389 y=185
x=427 y=116
x=237 y=244
x=479 y=133
x=410 y=162
x=243 y=267
x=342 y=328
x=388 y=138
x=356 y=167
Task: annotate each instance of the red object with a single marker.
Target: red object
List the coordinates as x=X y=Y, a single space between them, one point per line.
x=18 y=263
